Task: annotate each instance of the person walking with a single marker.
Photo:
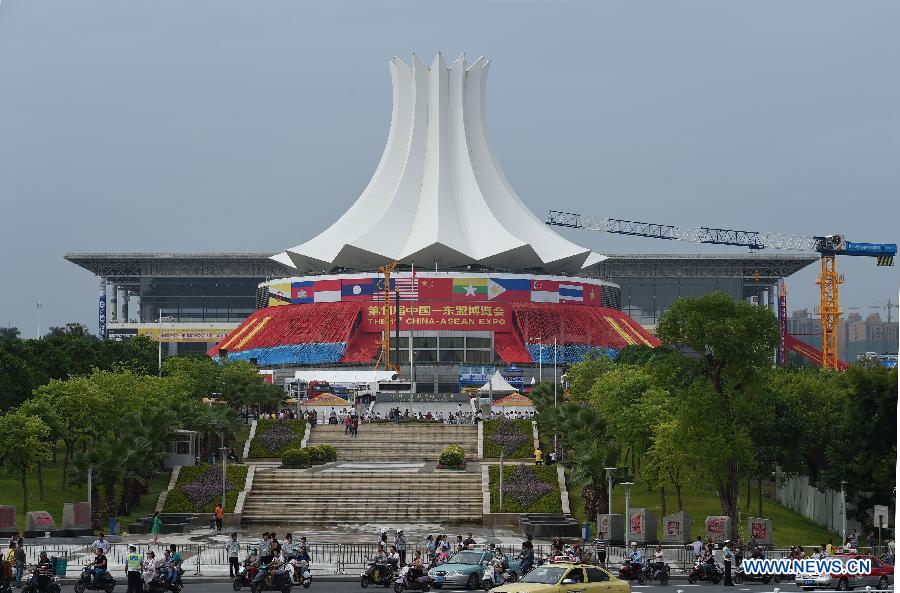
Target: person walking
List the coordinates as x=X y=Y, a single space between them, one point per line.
x=220 y=516
x=727 y=557
x=134 y=563
x=156 y=526
x=20 y=562
x=9 y=561
x=400 y=544
x=233 y=549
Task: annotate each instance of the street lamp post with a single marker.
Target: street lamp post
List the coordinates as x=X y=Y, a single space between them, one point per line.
x=609 y=479
x=628 y=486
x=159 y=320
x=224 y=470
x=554 y=389
x=843 y=512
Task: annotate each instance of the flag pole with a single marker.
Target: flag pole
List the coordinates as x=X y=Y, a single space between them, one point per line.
x=412 y=332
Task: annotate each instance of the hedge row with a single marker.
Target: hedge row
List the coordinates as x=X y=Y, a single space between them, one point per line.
x=308 y=456
x=178 y=501
x=261 y=446
x=492 y=449
x=452 y=456
x=547 y=503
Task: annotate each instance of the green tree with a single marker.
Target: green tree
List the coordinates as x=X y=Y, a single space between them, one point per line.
x=730 y=345
x=23 y=446
x=201 y=374
x=41 y=408
x=9 y=333
x=587 y=464
x=667 y=461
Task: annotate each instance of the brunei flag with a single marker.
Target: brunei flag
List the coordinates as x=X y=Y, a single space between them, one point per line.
x=470 y=289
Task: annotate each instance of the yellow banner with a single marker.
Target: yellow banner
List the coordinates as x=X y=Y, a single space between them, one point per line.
x=186 y=334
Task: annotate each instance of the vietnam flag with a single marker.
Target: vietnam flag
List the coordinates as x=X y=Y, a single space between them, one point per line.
x=592 y=294
x=435 y=289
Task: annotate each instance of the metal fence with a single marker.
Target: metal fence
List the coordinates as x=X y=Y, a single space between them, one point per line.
x=341 y=559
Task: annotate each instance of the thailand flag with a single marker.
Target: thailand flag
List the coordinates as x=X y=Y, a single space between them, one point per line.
x=571 y=293
x=357 y=289
x=544 y=291
x=302 y=292
x=327 y=291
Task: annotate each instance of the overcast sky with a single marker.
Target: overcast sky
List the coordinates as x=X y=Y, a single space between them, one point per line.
x=250 y=125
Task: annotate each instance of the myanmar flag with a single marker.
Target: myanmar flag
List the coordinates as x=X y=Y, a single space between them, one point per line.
x=470 y=289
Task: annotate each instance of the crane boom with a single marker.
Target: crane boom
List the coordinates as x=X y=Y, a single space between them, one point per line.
x=750 y=239
x=827 y=246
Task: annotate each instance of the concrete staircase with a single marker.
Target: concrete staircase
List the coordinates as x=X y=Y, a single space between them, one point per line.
x=397 y=442
x=384 y=475
x=385 y=497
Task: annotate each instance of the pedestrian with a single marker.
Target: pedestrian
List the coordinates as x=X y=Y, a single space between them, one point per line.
x=20 y=562
x=697 y=547
x=148 y=570
x=9 y=560
x=469 y=541
x=233 y=549
x=156 y=526
x=727 y=557
x=600 y=549
x=347 y=422
x=134 y=563
x=400 y=544
x=265 y=549
x=538 y=456
x=101 y=543
x=220 y=515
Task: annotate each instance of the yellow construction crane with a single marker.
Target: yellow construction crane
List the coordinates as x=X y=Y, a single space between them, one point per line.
x=385 y=341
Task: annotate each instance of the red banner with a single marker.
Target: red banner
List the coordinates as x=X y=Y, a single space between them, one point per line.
x=637 y=524
x=759 y=530
x=439 y=316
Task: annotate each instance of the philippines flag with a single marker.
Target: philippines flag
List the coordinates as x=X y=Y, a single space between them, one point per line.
x=544 y=291
x=571 y=293
x=327 y=291
x=302 y=292
x=357 y=289
x=509 y=289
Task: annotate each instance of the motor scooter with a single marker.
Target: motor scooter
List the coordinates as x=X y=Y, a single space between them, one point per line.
x=406 y=580
x=657 y=571
x=105 y=583
x=698 y=573
x=631 y=572
x=246 y=573
x=300 y=574
x=377 y=572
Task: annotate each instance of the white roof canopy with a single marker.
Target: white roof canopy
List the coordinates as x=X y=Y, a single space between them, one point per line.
x=438 y=196
x=497 y=385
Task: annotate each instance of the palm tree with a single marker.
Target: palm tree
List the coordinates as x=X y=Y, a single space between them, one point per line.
x=587 y=469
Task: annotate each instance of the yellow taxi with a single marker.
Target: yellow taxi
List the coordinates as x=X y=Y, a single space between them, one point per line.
x=562 y=577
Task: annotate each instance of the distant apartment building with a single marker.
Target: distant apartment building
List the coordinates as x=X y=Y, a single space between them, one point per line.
x=855 y=335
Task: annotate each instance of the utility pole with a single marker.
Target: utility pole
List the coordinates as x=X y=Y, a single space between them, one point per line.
x=500 y=510
x=224 y=470
x=555 y=380
x=843 y=511
x=628 y=486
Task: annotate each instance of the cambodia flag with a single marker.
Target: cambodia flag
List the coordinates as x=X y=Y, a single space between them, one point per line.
x=544 y=291
x=435 y=289
x=357 y=289
x=302 y=292
x=327 y=291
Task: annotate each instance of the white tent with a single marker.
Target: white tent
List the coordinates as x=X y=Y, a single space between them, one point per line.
x=497 y=385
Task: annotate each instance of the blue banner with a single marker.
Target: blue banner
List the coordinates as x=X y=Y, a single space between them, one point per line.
x=101 y=318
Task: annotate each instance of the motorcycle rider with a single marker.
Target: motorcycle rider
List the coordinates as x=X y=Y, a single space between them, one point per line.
x=288 y=548
x=98 y=568
x=393 y=558
x=148 y=568
x=527 y=556
x=636 y=558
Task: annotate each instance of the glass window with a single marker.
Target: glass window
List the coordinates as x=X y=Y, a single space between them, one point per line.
x=595 y=575
x=428 y=342
x=478 y=342
x=479 y=356
x=451 y=356
x=454 y=342
x=576 y=574
x=545 y=575
x=404 y=342
x=425 y=355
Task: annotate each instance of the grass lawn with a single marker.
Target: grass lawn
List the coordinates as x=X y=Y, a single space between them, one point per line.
x=700 y=501
x=55 y=496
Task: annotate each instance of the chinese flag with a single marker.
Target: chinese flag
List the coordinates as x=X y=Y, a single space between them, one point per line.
x=591 y=294
x=435 y=289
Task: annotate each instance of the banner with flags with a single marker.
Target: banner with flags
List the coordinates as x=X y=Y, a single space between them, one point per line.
x=357 y=289
x=407 y=287
x=544 y=291
x=571 y=293
x=435 y=289
x=470 y=289
x=509 y=289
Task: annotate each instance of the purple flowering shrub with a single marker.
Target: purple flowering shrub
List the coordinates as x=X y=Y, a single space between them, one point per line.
x=206 y=487
x=524 y=486
x=508 y=437
x=279 y=435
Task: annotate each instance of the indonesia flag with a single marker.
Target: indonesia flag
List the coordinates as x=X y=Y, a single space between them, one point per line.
x=571 y=293
x=327 y=291
x=544 y=291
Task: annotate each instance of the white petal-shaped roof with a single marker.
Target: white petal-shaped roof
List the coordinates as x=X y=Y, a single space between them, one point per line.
x=438 y=197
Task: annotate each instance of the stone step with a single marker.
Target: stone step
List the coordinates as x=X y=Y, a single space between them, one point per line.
x=303 y=516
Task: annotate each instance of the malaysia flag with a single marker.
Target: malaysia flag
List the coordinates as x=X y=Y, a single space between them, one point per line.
x=357 y=289
x=544 y=291
x=571 y=293
x=327 y=291
x=302 y=292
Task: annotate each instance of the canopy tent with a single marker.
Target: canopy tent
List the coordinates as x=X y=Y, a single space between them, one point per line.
x=514 y=400
x=497 y=385
x=326 y=399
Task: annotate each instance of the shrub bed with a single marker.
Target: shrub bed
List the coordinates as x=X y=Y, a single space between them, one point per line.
x=514 y=436
x=274 y=437
x=526 y=489
x=199 y=487
x=308 y=456
x=452 y=457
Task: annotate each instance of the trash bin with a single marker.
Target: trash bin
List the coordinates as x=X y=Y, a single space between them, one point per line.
x=59 y=566
x=113 y=526
x=586 y=532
